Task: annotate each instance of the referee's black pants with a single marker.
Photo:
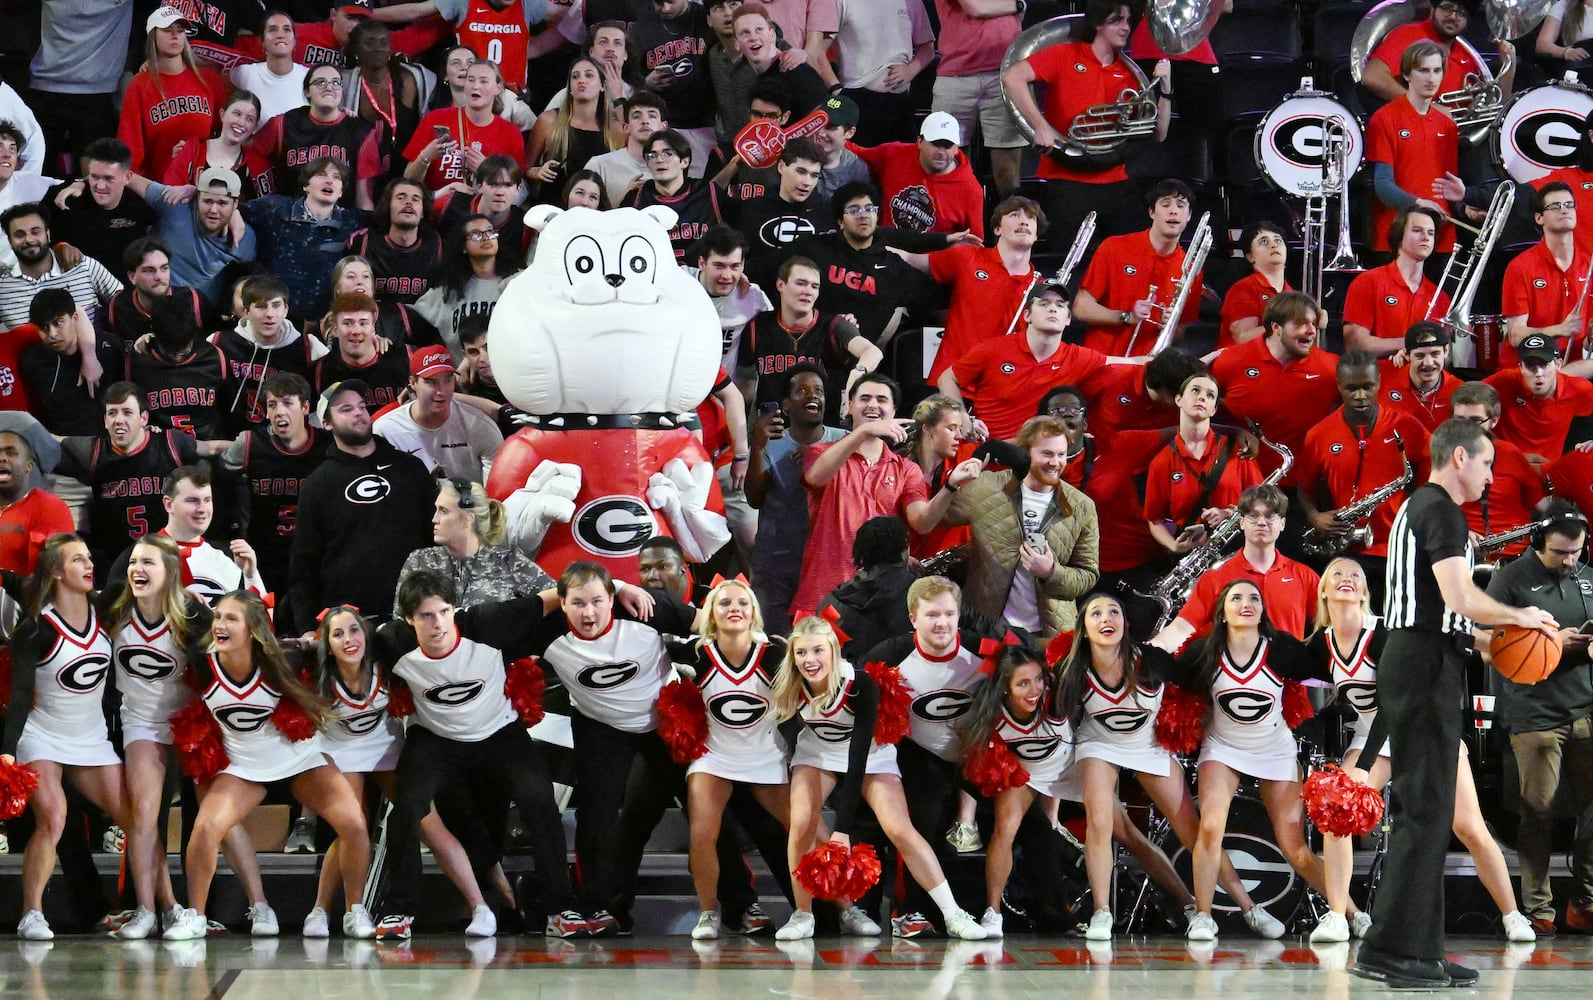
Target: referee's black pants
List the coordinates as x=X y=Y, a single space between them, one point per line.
x=1421 y=690
x=505 y=766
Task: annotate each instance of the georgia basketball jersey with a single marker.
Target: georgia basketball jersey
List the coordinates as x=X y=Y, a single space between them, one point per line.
x=497 y=35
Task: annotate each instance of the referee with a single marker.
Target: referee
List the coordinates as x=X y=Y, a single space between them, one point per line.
x=1421 y=684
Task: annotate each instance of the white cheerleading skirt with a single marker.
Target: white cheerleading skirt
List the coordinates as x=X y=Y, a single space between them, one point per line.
x=295 y=759
x=814 y=752
x=1277 y=762
x=84 y=749
x=377 y=750
x=764 y=769
x=1144 y=760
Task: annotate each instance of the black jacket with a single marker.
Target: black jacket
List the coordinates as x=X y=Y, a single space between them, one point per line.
x=358 y=520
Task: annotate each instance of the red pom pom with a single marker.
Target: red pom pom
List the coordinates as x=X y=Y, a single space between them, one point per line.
x=292 y=720
x=895 y=700
x=197 y=738
x=995 y=768
x=1296 y=704
x=17 y=784
x=1058 y=648
x=1181 y=722
x=831 y=872
x=400 y=700
x=1340 y=805
x=683 y=721
x=523 y=683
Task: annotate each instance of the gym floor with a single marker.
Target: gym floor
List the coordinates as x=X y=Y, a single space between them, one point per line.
x=1238 y=967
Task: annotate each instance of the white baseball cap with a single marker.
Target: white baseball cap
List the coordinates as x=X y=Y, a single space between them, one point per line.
x=164 y=17
x=941 y=127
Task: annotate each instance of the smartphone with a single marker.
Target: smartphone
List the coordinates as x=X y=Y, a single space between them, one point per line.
x=767 y=408
x=441 y=133
x=1035 y=539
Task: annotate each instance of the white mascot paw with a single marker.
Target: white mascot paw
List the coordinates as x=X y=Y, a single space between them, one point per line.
x=681 y=492
x=548 y=496
x=664 y=494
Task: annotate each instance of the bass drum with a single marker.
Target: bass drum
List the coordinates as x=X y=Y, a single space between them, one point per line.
x=1291 y=142
x=1539 y=130
x=1267 y=875
x=1478 y=350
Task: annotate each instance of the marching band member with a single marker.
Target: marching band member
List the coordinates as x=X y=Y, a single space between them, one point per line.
x=1115 y=298
x=1418 y=381
x=1414 y=149
x=1386 y=301
x=1267 y=251
x=1513 y=496
x=1445 y=23
x=1579 y=176
x=1195 y=481
x=1546 y=286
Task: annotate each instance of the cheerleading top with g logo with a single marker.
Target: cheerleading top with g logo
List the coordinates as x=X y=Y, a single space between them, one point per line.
x=1247 y=730
x=743 y=737
x=58 y=682
x=150 y=664
x=258 y=750
x=1118 y=724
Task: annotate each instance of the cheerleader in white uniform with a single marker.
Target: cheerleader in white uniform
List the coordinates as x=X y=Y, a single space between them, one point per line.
x=1349 y=641
x=243 y=678
x=363 y=740
x=1242 y=664
x=835 y=749
x=1117 y=687
x=55 y=722
x=736 y=664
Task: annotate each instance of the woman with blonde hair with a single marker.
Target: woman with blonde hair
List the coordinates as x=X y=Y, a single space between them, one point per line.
x=469 y=530
x=935 y=442
x=581 y=127
x=396 y=322
x=836 y=754
x=171 y=100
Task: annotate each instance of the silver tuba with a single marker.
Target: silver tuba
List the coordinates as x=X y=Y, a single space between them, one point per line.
x=1515 y=18
x=1179 y=25
x=1101 y=137
x=1475 y=106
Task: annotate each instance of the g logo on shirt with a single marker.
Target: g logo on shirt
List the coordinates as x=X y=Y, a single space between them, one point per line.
x=602 y=676
x=1252 y=373
x=364 y=722
x=737 y=709
x=1123 y=400
x=1130 y=269
x=1122 y=720
x=243 y=718
x=144 y=663
x=1336 y=447
x=369 y=488
x=84 y=674
x=1079 y=68
x=1037 y=748
x=615 y=525
x=454 y=693
x=829 y=732
x=1008 y=368
x=1390 y=300
x=1178 y=477
x=1395 y=396
x=1245 y=707
x=1358 y=695
x=982 y=274
x=943 y=705
x=1404 y=133
x=1539 y=283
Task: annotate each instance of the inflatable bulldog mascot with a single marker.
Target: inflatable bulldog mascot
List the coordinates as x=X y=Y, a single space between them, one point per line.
x=609 y=346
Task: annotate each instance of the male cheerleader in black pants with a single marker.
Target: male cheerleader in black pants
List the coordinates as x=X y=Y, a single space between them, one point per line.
x=1430 y=607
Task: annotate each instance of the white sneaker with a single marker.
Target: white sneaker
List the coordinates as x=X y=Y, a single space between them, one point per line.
x=5 y=844
x=991 y=922
x=964 y=837
x=140 y=927
x=302 y=839
x=33 y=927
x=1264 y=923
x=190 y=926
x=1201 y=928
x=483 y=922
x=1361 y=924
x=858 y=923
x=960 y=924
x=114 y=841
x=798 y=928
x=707 y=928
x=1333 y=928
x=1100 y=926
x=263 y=921
x=357 y=923
x=317 y=924
x=171 y=915
x=1518 y=929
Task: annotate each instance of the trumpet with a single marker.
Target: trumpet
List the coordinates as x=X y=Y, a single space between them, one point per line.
x=1194 y=260
x=1469 y=277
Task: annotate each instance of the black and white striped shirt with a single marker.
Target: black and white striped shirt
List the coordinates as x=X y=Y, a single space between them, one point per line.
x=1429 y=528
x=90 y=284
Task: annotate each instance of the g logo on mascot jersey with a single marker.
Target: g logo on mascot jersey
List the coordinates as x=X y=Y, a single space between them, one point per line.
x=84 y=674
x=603 y=676
x=456 y=693
x=943 y=705
x=738 y=710
x=613 y=526
x=144 y=663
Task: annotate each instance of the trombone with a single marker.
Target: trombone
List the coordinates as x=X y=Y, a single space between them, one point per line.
x=1194 y=260
x=1458 y=319
x=1335 y=183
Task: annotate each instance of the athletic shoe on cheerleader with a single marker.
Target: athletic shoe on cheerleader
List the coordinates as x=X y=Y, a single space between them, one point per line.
x=707 y=928
x=302 y=839
x=1333 y=928
x=140 y=927
x=191 y=926
x=964 y=837
x=961 y=924
x=317 y=924
x=33 y=927
x=263 y=921
x=857 y=923
x=993 y=923
x=1360 y=925
x=483 y=922
x=1518 y=929
x=1201 y=927
x=798 y=928
x=1100 y=926
x=357 y=923
x=1264 y=923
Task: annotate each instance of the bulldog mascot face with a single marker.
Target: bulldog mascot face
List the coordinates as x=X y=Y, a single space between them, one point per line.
x=609 y=346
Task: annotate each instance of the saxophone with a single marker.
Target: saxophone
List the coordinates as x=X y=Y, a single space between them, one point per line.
x=1172 y=590
x=1498 y=540
x=1321 y=545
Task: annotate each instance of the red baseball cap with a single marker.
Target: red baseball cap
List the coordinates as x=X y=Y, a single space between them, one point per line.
x=431 y=361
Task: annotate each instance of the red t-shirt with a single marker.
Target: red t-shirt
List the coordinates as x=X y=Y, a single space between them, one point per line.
x=26 y=524
x=1121 y=273
x=1177 y=478
x=857 y=492
x=1457 y=63
x=1286 y=400
x=1288 y=588
x=1535 y=287
x=1571 y=476
x=921 y=202
x=497 y=136
x=1118 y=403
x=13 y=390
x=1341 y=464
x=1114 y=484
x=1247 y=297
x=1538 y=426
x=985 y=297
x=1381 y=301
x=1581 y=182
x=945 y=536
x=185 y=107
x=1004 y=382
x=1075 y=80
x=1397 y=393
x=191 y=160
x=1516 y=489
x=1421 y=149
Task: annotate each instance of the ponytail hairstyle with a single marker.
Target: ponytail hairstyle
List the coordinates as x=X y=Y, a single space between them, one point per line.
x=269 y=657
x=788 y=688
x=990 y=699
x=487 y=515
x=39 y=588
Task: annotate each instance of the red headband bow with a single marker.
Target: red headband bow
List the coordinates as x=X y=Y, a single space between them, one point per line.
x=991 y=648
x=831 y=614
x=335 y=607
x=740 y=578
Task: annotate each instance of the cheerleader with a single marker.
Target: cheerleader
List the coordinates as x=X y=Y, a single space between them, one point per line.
x=835 y=749
x=55 y=723
x=1349 y=641
x=1117 y=689
x=363 y=739
x=158 y=629
x=243 y=679
x=1241 y=665
x=736 y=664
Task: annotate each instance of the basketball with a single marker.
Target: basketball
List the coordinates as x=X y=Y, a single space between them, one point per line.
x=1524 y=655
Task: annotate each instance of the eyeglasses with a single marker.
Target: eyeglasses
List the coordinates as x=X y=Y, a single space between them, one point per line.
x=333 y=84
x=1066 y=411
x=1261 y=518
x=481 y=235
x=1453 y=9
x=1559 y=206
x=660 y=154
x=859 y=210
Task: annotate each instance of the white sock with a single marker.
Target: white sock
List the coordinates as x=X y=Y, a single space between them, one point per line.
x=943 y=898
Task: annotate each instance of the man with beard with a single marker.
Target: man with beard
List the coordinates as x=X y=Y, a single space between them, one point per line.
x=360 y=515
x=269 y=466
x=27 y=228
x=1545 y=286
x=929 y=187
x=28 y=513
x=148 y=267
x=181 y=374
x=403 y=249
x=1539 y=396
x=206 y=237
x=1423 y=385
x=1355 y=451
x=125 y=468
x=1386 y=301
x=356 y=353
x=1445 y=22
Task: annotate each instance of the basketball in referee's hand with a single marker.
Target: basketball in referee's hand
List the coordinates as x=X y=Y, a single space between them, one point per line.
x=1524 y=655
